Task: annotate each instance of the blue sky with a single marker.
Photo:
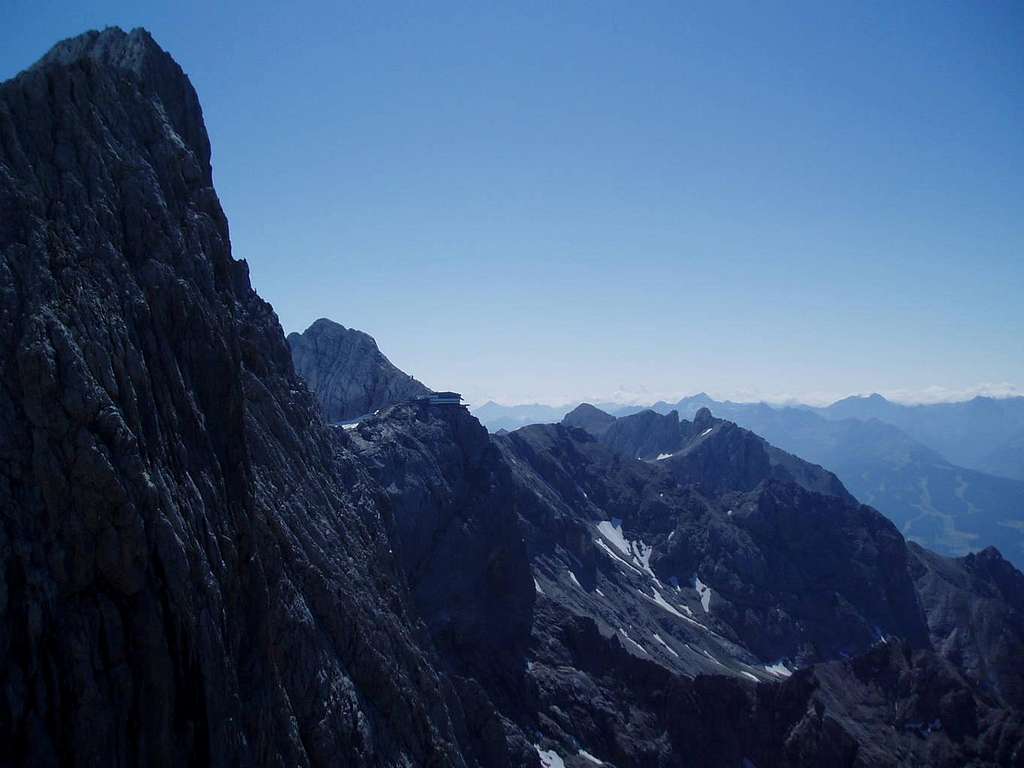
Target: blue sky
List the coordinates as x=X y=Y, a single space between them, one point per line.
x=554 y=201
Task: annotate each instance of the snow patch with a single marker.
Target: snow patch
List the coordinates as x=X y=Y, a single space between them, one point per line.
x=613 y=532
x=705 y=593
x=634 y=642
x=351 y=425
x=779 y=669
x=613 y=556
x=661 y=602
x=706 y=432
x=712 y=658
x=536 y=585
x=636 y=551
x=587 y=756
x=752 y=677
x=549 y=758
x=667 y=646
x=663 y=456
x=574 y=579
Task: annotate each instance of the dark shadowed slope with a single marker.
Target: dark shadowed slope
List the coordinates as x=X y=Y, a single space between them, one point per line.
x=647 y=584
x=346 y=371
x=184 y=579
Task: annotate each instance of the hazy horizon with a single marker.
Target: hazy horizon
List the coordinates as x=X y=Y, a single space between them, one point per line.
x=552 y=204
x=931 y=396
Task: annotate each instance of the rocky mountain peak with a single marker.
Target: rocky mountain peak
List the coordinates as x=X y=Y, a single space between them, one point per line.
x=329 y=331
x=347 y=372
x=645 y=435
x=588 y=418
x=136 y=55
x=112 y=47
x=703 y=418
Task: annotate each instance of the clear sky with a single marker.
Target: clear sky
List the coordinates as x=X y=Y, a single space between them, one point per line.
x=556 y=201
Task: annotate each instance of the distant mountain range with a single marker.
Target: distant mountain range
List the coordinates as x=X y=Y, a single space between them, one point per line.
x=949 y=508
x=985 y=433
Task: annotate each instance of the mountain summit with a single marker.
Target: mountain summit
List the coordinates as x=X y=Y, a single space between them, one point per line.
x=589 y=418
x=347 y=372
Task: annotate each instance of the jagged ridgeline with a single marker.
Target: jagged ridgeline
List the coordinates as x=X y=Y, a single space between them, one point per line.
x=197 y=569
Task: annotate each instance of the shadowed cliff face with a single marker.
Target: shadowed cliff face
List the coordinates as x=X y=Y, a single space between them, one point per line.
x=196 y=570
x=975 y=611
x=185 y=577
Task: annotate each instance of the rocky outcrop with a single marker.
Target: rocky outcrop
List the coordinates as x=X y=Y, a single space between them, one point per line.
x=193 y=573
x=975 y=611
x=347 y=373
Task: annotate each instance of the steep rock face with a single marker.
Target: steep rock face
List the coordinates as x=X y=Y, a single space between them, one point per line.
x=894 y=707
x=975 y=611
x=645 y=435
x=346 y=371
x=185 y=578
x=451 y=503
